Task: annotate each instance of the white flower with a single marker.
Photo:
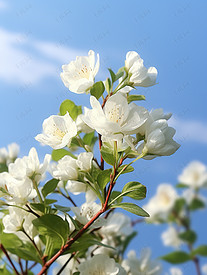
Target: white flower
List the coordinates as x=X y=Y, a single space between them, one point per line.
x=175 y=271
x=16 y=219
x=81 y=125
x=78 y=76
x=162 y=202
x=117 y=224
x=139 y=74
x=86 y=212
x=204 y=269
x=101 y=265
x=58 y=131
x=70 y=267
x=117 y=118
x=190 y=194
x=194 y=175
x=8 y=156
x=170 y=238
x=66 y=169
x=159 y=140
x=142 y=266
x=3 y=155
x=84 y=161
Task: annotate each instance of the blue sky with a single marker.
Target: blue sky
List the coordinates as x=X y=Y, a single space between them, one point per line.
x=37 y=37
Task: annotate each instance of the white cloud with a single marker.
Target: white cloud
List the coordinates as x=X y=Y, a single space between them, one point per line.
x=25 y=60
x=189 y=130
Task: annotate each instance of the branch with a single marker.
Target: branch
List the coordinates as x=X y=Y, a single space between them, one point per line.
x=9 y=259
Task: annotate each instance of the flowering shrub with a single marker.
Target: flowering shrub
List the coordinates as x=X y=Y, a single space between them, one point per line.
x=91 y=238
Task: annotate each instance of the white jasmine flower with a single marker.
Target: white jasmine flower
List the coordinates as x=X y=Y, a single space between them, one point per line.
x=58 y=131
x=159 y=140
x=18 y=219
x=70 y=267
x=13 y=151
x=161 y=204
x=190 y=194
x=117 y=118
x=78 y=76
x=66 y=169
x=84 y=161
x=170 y=238
x=3 y=155
x=86 y=212
x=142 y=266
x=194 y=175
x=101 y=265
x=81 y=125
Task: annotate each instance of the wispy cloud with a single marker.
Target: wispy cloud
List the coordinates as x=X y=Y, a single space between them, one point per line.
x=25 y=60
x=189 y=130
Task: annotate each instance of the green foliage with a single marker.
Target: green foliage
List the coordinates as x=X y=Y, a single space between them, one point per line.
x=55 y=229
x=24 y=250
x=103 y=178
x=60 y=153
x=3 y=167
x=196 y=204
x=179 y=204
x=49 y=187
x=127 y=240
x=97 y=89
x=115 y=77
x=134 y=190
x=38 y=207
x=127 y=170
x=201 y=250
x=108 y=85
x=70 y=107
x=131 y=98
x=115 y=197
x=4 y=271
x=181 y=185
x=188 y=236
x=61 y=208
x=108 y=155
x=90 y=139
x=177 y=257
x=131 y=207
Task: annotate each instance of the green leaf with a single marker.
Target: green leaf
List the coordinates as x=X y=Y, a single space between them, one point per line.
x=38 y=206
x=3 y=167
x=131 y=98
x=201 y=250
x=177 y=257
x=90 y=138
x=49 y=187
x=70 y=107
x=115 y=197
x=196 y=204
x=24 y=250
x=127 y=170
x=4 y=271
x=134 y=190
x=113 y=76
x=97 y=89
x=188 y=236
x=61 y=208
x=179 y=204
x=132 y=208
x=56 y=230
x=108 y=156
x=103 y=178
x=60 y=153
x=120 y=73
x=50 y=201
x=181 y=185
x=108 y=85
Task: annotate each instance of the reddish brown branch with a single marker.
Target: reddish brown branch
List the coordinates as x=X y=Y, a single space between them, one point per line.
x=9 y=259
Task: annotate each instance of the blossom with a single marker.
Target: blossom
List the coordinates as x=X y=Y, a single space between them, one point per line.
x=144 y=265
x=170 y=237
x=117 y=118
x=58 y=131
x=160 y=205
x=8 y=156
x=194 y=175
x=84 y=161
x=159 y=140
x=101 y=264
x=70 y=268
x=66 y=169
x=78 y=76
x=175 y=271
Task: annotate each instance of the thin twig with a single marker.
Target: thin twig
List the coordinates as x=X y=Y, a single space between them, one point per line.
x=65 y=264
x=9 y=259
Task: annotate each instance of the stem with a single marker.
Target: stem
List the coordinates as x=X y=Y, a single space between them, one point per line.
x=21 y=267
x=81 y=143
x=83 y=229
x=196 y=261
x=9 y=259
x=67 y=197
x=102 y=160
x=31 y=211
x=34 y=244
x=37 y=190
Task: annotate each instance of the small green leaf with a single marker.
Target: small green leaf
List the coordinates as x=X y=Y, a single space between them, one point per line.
x=177 y=257
x=90 y=139
x=131 y=98
x=3 y=167
x=38 y=206
x=132 y=208
x=49 y=187
x=108 y=85
x=113 y=76
x=181 y=185
x=179 y=204
x=134 y=190
x=60 y=153
x=120 y=73
x=61 y=208
x=188 y=236
x=108 y=156
x=97 y=89
x=103 y=178
x=127 y=170
x=115 y=197
x=70 y=107
x=196 y=204
x=50 y=201
x=201 y=250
